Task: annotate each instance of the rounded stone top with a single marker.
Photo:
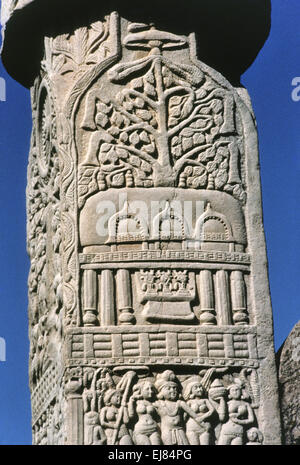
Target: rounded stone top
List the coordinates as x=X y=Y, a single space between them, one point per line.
x=230 y=33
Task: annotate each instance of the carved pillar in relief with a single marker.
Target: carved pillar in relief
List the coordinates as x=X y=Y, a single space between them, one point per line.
x=148 y=261
x=107 y=301
x=239 y=299
x=207 y=299
x=223 y=298
x=90 y=298
x=124 y=300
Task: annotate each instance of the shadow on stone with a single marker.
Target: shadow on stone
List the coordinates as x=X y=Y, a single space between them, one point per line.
x=230 y=33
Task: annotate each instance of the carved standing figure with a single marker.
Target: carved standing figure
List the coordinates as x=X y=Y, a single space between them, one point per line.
x=109 y=419
x=198 y=433
x=172 y=409
x=240 y=415
x=146 y=430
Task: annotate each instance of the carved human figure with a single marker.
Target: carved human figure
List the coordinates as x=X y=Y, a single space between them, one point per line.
x=109 y=417
x=102 y=381
x=93 y=432
x=198 y=433
x=239 y=415
x=172 y=409
x=146 y=430
x=255 y=437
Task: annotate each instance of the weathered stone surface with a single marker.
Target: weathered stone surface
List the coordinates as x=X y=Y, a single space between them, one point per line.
x=289 y=385
x=150 y=314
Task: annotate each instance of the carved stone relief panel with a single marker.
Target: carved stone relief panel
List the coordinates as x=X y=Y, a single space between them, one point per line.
x=151 y=121
x=44 y=235
x=216 y=406
x=146 y=280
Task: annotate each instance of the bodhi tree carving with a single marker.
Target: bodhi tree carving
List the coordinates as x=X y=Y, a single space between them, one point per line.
x=170 y=126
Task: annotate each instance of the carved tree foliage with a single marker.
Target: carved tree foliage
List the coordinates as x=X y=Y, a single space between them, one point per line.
x=75 y=53
x=170 y=125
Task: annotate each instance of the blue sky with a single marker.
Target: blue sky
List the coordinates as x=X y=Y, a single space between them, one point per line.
x=269 y=81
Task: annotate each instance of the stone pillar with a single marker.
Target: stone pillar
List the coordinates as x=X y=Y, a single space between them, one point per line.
x=124 y=308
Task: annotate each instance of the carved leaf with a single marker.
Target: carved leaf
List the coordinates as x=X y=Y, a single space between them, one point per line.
x=139 y=102
x=221 y=179
x=144 y=137
x=187 y=132
x=83 y=190
x=175 y=111
x=173 y=121
x=146 y=167
x=98 y=27
x=118 y=180
x=144 y=114
x=211 y=166
x=123 y=154
x=80 y=45
x=150 y=90
x=217 y=106
x=218 y=119
x=150 y=148
x=177 y=151
x=124 y=137
x=92 y=59
x=58 y=63
x=149 y=77
x=201 y=93
x=187 y=143
x=135 y=161
x=187 y=108
x=134 y=138
x=198 y=139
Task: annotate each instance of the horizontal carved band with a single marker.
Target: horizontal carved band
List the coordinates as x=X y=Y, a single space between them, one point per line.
x=197 y=362
x=166 y=255
x=165 y=347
